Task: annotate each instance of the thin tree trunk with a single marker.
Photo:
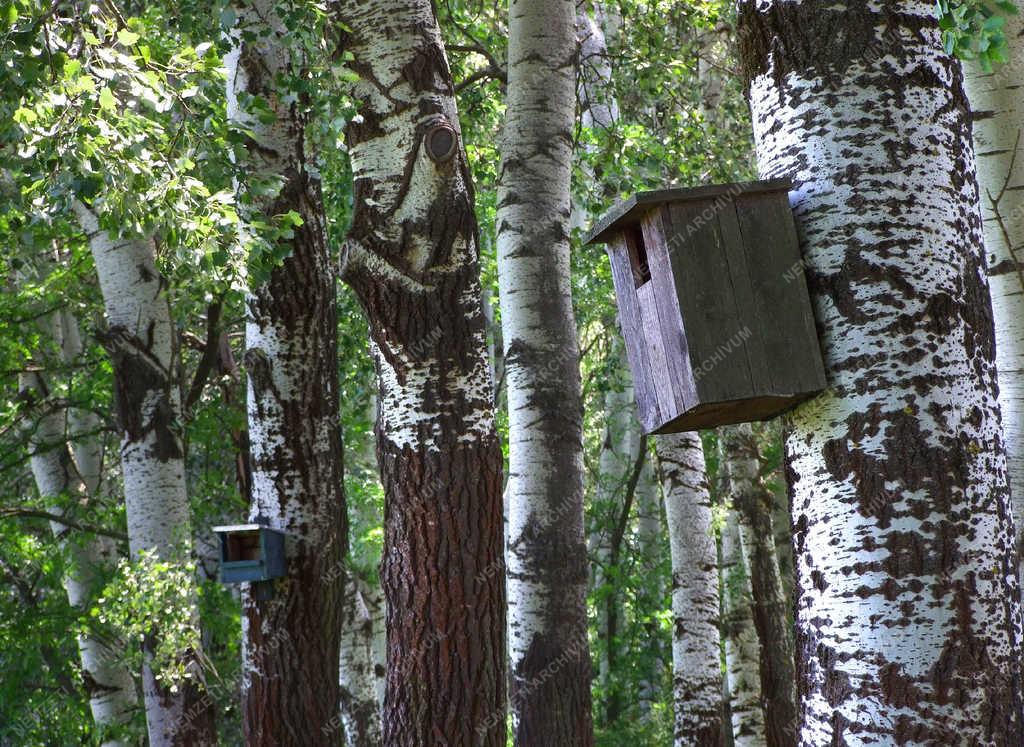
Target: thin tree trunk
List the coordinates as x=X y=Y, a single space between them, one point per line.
x=412 y=258
x=142 y=345
x=650 y=537
x=997 y=103
x=696 y=634
x=742 y=650
x=291 y=641
x=618 y=452
x=752 y=502
x=360 y=710
x=108 y=684
x=547 y=572
x=908 y=614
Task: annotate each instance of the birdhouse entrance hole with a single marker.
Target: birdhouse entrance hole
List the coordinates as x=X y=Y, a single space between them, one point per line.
x=638 y=261
x=243 y=546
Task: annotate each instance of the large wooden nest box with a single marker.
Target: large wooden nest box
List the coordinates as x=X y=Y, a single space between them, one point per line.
x=250 y=552
x=713 y=304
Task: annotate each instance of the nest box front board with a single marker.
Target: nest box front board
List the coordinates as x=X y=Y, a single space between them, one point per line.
x=250 y=552
x=713 y=304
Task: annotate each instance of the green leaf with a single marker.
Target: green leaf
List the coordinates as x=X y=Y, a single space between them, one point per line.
x=994 y=23
x=948 y=41
x=126 y=37
x=107 y=100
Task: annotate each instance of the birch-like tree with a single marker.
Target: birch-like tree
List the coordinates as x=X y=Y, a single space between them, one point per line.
x=997 y=116
x=411 y=256
x=696 y=633
x=69 y=474
x=291 y=640
x=742 y=648
x=360 y=709
x=752 y=502
x=907 y=615
x=546 y=559
x=142 y=343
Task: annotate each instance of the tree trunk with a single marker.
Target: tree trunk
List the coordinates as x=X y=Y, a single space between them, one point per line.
x=291 y=641
x=109 y=685
x=696 y=635
x=997 y=103
x=412 y=258
x=618 y=452
x=908 y=614
x=650 y=538
x=752 y=502
x=142 y=344
x=547 y=571
x=360 y=711
x=742 y=650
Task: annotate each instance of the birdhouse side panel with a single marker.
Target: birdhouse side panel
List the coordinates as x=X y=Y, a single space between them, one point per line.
x=781 y=300
x=632 y=333
x=670 y=318
x=664 y=392
x=714 y=332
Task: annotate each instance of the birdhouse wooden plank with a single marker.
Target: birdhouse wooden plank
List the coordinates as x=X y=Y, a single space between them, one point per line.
x=250 y=552
x=713 y=304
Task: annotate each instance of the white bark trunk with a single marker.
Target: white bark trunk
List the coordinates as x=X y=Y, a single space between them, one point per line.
x=908 y=614
x=142 y=344
x=109 y=685
x=360 y=709
x=997 y=103
x=546 y=570
x=650 y=538
x=618 y=451
x=751 y=502
x=742 y=650
x=696 y=632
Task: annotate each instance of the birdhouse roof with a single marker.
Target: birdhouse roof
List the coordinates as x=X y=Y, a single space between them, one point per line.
x=628 y=212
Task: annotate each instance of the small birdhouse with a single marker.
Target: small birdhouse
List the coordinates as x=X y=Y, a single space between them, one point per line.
x=250 y=552
x=713 y=304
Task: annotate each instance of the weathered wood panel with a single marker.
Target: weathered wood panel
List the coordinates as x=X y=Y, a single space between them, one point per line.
x=777 y=274
x=632 y=331
x=749 y=315
x=704 y=289
x=677 y=353
x=651 y=324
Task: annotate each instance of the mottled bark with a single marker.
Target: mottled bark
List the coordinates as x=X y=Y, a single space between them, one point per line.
x=908 y=615
x=752 y=501
x=742 y=649
x=290 y=686
x=650 y=538
x=142 y=344
x=360 y=709
x=618 y=452
x=412 y=258
x=109 y=685
x=546 y=561
x=997 y=105
x=696 y=670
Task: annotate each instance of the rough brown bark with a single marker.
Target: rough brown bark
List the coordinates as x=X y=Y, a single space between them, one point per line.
x=291 y=640
x=412 y=258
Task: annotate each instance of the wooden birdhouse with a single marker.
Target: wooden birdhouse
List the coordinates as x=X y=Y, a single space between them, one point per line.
x=713 y=304
x=250 y=552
